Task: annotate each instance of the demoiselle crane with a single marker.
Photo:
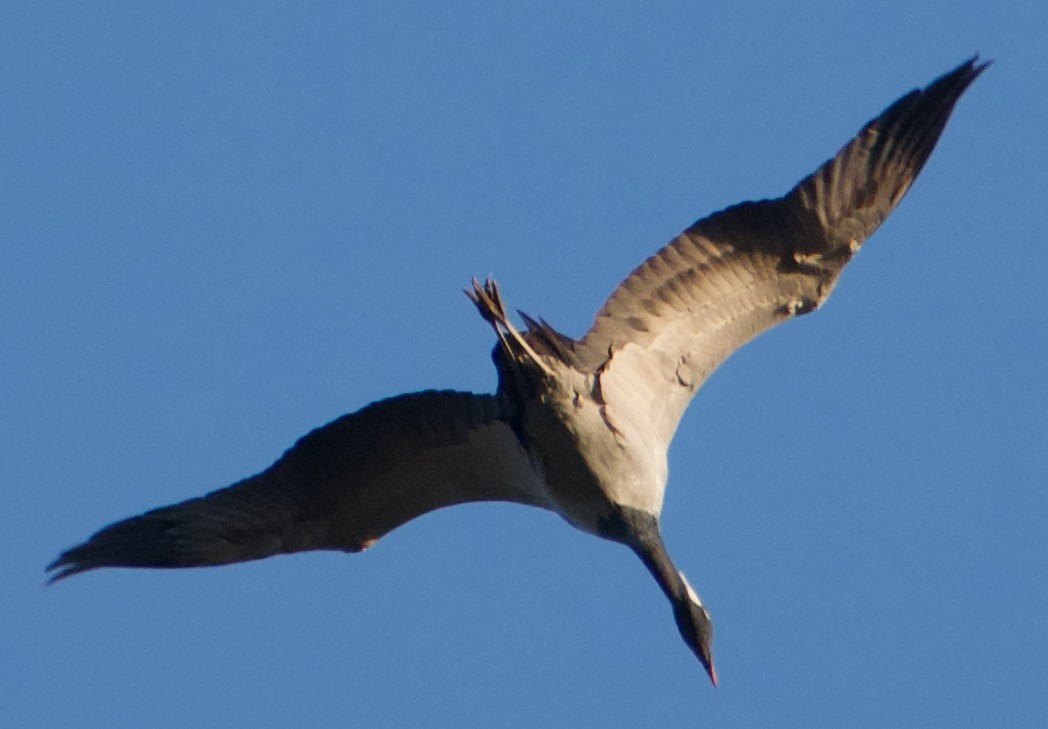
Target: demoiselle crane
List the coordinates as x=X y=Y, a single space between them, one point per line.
x=580 y=427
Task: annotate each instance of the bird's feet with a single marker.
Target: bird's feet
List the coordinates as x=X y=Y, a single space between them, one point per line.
x=488 y=300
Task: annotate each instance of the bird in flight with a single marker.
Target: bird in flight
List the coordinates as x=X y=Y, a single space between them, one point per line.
x=580 y=427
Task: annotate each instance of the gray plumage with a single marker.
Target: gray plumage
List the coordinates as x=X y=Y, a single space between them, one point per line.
x=578 y=427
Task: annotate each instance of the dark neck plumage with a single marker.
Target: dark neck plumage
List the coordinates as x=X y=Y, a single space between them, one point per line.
x=639 y=530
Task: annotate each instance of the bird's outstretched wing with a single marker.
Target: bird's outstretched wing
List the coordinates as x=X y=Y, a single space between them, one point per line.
x=741 y=271
x=341 y=487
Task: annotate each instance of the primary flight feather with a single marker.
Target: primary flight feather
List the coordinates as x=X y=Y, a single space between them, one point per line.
x=578 y=427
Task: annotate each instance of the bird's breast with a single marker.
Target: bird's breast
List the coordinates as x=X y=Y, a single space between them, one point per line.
x=590 y=467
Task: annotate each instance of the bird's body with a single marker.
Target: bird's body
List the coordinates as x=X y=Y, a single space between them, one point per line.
x=588 y=466
x=579 y=427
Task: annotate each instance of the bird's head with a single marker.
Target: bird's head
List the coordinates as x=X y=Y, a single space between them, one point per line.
x=693 y=621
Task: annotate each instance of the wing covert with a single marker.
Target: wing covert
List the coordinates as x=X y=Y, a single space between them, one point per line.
x=735 y=274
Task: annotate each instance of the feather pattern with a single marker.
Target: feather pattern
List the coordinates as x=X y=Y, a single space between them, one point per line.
x=340 y=487
x=743 y=270
x=581 y=428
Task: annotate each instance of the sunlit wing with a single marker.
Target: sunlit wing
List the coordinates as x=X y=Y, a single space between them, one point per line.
x=341 y=487
x=743 y=270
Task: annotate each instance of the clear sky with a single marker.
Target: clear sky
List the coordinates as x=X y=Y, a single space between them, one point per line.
x=223 y=224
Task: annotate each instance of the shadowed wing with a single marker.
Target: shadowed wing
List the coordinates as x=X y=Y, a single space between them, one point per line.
x=341 y=487
x=745 y=269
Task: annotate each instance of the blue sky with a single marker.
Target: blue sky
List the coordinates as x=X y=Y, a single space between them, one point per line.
x=225 y=224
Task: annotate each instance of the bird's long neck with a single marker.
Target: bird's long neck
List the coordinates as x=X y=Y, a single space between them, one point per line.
x=640 y=531
x=653 y=554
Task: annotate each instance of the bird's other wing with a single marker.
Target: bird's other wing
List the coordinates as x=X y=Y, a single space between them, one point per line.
x=741 y=271
x=341 y=487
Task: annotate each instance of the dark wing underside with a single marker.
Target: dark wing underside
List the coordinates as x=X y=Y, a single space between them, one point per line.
x=739 y=272
x=341 y=487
